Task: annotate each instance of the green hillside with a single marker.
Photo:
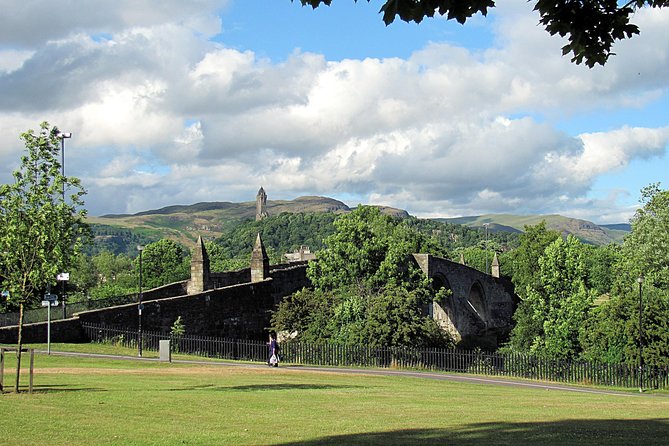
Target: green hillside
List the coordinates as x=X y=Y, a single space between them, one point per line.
x=184 y=223
x=212 y=220
x=586 y=231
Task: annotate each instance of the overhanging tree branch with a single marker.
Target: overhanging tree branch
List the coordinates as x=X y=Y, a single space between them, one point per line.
x=590 y=26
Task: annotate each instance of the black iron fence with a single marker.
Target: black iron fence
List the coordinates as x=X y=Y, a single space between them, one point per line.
x=210 y=347
x=40 y=314
x=446 y=360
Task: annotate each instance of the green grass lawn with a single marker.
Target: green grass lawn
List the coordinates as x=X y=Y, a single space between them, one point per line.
x=81 y=401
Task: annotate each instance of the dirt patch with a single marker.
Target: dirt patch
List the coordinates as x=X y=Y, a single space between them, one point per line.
x=176 y=371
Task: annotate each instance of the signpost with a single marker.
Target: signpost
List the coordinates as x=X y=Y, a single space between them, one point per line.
x=50 y=300
x=62 y=278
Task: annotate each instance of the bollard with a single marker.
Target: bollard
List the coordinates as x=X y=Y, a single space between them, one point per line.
x=32 y=364
x=2 y=367
x=165 y=350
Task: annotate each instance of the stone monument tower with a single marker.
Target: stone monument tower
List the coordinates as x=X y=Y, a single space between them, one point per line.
x=261 y=204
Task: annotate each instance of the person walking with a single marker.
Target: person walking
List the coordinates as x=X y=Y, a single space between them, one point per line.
x=273 y=360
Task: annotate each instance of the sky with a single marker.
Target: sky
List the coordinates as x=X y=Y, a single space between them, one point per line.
x=177 y=102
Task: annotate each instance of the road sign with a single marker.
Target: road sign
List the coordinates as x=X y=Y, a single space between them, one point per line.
x=54 y=303
x=50 y=297
x=63 y=277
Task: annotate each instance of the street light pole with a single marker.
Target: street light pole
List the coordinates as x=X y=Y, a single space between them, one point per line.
x=63 y=136
x=640 y=280
x=140 y=307
x=486 y=246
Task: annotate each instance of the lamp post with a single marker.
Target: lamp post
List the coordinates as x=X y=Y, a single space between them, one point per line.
x=63 y=136
x=140 y=306
x=486 y=246
x=640 y=281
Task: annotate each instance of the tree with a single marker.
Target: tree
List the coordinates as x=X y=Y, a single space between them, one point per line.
x=646 y=248
x=163 y=262
x=389 y=317
x=307 y=313
x=612 y=334
x=372 y=250
x=367 y=289
x=591 y=26
x=83 y=277
x=219 y=260
x=475 y=257
x=525 y=259
x=549 y=319
x=600 y=263
x=115 y=276
x=395 y=319
x=281 y=233
x=42 y=230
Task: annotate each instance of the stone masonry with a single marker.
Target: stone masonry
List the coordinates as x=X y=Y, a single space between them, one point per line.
x=479 y=307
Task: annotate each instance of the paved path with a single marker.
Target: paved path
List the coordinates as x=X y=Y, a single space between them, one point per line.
x=497 y=381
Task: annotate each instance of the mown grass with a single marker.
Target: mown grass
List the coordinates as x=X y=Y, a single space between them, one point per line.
x=119 y=402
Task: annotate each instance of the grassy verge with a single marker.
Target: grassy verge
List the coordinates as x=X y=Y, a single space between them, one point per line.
x=120 y=350
x=112 y=402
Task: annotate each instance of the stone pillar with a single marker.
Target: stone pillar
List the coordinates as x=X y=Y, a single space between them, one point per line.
x=495 y=266
x=199 y=269
x=259 y=262
x=423 y=261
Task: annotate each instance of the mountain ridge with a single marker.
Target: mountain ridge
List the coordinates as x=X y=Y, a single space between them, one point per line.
x=585 y=230
x=184 y=223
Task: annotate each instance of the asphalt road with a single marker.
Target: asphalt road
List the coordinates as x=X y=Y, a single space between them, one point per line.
x=482 y=380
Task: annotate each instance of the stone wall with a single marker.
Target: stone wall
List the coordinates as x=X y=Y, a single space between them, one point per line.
x=220 y=280
x=238 y=311
x=63 y=330
x=172 y=289
x=288 y=278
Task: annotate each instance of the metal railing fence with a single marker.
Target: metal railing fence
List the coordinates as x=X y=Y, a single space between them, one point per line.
x=446 y=360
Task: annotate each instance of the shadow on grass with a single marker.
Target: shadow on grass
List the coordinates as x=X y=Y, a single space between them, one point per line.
x=264 y=387
x=62 y=388
x=568 y=432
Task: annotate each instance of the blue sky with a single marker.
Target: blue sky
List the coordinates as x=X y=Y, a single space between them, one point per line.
x=182 y=102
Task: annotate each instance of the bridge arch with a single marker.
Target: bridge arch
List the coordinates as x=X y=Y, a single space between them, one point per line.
x=477 y=300
x=440 y=281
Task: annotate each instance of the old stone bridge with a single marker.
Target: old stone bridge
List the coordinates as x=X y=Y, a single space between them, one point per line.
x=478 y=308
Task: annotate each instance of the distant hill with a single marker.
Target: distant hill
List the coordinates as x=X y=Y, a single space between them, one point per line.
x=183 y=223
x=586 y=231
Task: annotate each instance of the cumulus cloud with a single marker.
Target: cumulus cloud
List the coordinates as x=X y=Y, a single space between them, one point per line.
x=31 y=23
x=163 y=114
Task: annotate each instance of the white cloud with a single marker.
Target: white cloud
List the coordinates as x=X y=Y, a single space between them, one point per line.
x=448 y=130
x=613 y=150
x=12 y=60
x=31 y=23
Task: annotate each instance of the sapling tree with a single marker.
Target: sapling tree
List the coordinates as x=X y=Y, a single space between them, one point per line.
x=42 y=221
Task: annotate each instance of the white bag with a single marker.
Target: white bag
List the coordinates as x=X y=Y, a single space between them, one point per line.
x=273 y=360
